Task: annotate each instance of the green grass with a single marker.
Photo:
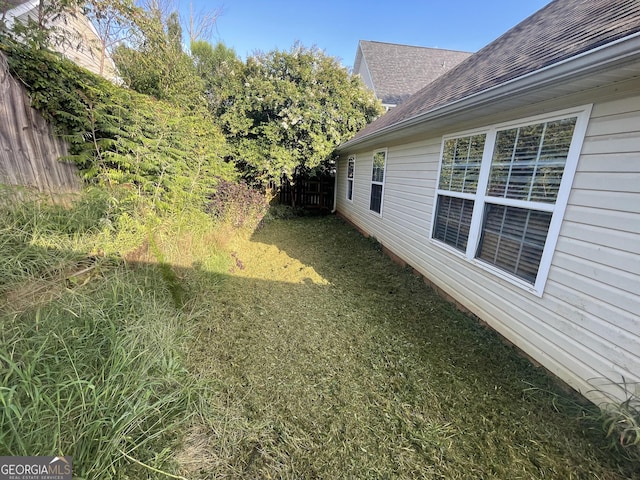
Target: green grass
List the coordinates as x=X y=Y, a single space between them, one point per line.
x=153 y=345
x=92 y=346
x=330 y=361
x=91 y=377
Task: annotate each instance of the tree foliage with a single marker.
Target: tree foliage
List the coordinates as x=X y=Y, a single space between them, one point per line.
x=118 y=136
x=290 y=109
x=153 y=61
x=222 y=73
x=278 y=111
x=116 y=22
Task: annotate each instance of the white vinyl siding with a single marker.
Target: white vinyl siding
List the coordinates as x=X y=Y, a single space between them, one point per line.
x=86 y=47
x=585 y=328
x=81 y=43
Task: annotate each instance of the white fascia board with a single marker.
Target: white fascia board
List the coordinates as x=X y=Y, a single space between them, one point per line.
x=603 y=58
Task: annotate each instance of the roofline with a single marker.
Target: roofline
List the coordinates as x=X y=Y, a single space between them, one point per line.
x=600 y=58
x=417 y=46
x=358 y=55
x=363 y=61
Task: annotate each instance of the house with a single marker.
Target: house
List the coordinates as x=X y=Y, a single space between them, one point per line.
x=512 y=184
x=82 y=43
x=394 y=72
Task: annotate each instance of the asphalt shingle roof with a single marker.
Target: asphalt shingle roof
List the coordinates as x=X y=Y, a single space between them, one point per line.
x=561 y=30
x=398 y=71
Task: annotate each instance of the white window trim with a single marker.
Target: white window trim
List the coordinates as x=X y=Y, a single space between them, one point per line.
x=352 y=180
x=583 y=114
x=384 y=179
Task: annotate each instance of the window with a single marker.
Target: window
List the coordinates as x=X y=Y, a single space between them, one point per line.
x=453 y=220
x=459 y=172
x=513 y=239
x=377 y=180
x=502 y=193
x=351 y=166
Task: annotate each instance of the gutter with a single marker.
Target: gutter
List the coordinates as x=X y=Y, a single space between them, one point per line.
x=335 y=191
x=601 y=58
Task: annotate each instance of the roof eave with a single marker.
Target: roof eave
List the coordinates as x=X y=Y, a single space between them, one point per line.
x=600 y=59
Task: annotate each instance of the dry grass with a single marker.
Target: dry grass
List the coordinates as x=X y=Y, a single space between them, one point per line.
x=326 y=360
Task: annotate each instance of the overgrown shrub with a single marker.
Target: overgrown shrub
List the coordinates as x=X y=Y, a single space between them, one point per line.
x=238 y=204
x=117 y=136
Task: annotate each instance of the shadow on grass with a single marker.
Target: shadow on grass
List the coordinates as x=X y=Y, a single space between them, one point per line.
x=346 y=365
x=323 y=359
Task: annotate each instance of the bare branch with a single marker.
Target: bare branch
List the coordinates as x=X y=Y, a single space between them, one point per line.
x=202 y=23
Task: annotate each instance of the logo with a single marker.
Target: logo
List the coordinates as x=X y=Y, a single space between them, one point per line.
x=35 y=468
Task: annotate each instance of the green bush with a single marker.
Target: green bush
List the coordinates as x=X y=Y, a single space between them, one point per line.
x=117 y=136
x=238 y=204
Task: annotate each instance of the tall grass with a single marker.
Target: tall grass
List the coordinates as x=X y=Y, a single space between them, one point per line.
x=91 y=344
x=621 y=422
x=97 y=374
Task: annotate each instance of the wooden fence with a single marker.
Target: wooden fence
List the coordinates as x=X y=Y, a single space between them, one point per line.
x=313 y=192
x=29 y=149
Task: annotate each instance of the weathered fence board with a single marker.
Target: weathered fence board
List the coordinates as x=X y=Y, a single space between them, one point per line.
x=29 y=149
x=308 y=192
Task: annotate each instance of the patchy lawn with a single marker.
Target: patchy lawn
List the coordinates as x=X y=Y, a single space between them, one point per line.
x=324 y=359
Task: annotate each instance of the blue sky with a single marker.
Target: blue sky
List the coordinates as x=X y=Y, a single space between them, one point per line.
x=335 y=26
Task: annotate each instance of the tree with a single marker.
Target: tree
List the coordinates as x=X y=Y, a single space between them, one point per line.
x=291 y=109
x=201 y=24
x=221 y=71
x=153 y=61
x=116 y=21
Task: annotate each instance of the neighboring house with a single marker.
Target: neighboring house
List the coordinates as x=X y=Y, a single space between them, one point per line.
x=82 y=43
x=395 y=72
x=512 y=184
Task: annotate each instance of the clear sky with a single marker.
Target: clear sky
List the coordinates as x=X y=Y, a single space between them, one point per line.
x=336 y=26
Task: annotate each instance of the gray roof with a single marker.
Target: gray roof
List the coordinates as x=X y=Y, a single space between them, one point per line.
x=561 y=30
x=398 y=71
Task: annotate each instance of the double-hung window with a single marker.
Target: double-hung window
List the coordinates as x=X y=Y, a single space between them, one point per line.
x=377 y=180
x=351 y=169
x=502 y=193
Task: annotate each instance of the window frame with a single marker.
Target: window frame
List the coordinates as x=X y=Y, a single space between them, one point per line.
x=382 y=183
x=481 y=198
x=350 y=181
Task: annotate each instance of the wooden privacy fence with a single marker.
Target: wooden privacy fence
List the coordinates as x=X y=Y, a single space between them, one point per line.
x=308 y=192
x=29 y=149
